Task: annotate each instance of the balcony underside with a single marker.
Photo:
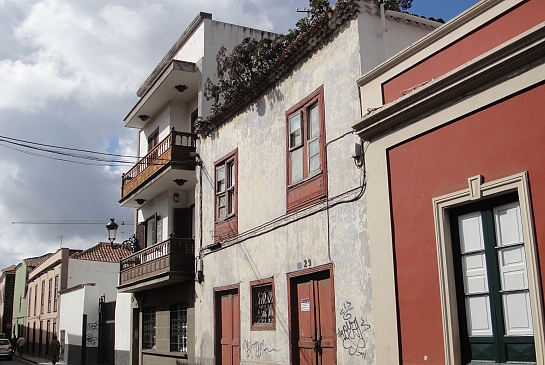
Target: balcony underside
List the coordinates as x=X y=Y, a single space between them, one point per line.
x=177 y=73
x=158 y=183
x=166 y=263
x=157 y=281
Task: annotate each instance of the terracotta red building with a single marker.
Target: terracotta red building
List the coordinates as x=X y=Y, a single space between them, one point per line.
x=454 y=136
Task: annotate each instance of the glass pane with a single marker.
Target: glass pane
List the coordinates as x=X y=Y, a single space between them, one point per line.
x=221 y=206
x=474 y=272
x=313 y=121
x=518 y=314
x=513 y=273
x=230 y=174
x=314 y=155
x=479 y=321
x=230 y=201
x=296 y=164
x=508 y=224
x=295 y=130
x=263 y=305
x=220 y=179
x=471 y=233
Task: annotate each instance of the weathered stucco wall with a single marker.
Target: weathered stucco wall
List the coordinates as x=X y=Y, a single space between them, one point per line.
x=337 y=236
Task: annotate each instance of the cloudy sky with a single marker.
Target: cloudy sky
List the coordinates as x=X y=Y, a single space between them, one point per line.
x=69 y=71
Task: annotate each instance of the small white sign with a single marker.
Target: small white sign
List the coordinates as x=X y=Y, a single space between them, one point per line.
x=305 y=305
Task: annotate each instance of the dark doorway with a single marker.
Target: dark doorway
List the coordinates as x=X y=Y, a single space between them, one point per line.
x=106 y=337
x=135 y=336
x=183 y=222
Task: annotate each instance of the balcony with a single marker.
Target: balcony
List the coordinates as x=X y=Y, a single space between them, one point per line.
x=166 y=263
x=158 y=170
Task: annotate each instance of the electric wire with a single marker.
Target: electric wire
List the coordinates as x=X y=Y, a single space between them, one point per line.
x=80 y=156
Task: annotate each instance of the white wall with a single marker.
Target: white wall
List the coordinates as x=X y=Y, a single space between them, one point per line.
x=123 y=310
x=103 y=274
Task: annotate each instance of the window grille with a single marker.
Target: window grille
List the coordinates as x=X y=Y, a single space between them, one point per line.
x=178 y=328
x=148 y=328
x=263 y=308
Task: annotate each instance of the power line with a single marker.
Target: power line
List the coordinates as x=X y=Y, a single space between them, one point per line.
x=121 y=223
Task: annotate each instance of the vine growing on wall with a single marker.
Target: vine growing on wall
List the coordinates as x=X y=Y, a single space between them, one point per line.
x=252 y=57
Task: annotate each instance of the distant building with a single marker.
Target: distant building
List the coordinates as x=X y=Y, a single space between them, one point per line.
x=7 y=285
x=93 y=278
x=20 y=299
x=66 y=269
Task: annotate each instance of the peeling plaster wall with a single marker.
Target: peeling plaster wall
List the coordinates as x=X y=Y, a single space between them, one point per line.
x=260 y=135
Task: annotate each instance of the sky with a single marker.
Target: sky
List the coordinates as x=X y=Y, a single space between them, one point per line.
x=69 y=71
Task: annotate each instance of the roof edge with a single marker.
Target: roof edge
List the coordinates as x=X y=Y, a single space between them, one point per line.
x=173 y=50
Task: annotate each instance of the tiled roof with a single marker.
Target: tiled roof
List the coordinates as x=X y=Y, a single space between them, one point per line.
x=9 y=268
x=308 y=42
x=102 y=252
x=32 y=262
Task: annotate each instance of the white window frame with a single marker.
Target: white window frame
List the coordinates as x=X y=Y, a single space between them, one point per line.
x=478 y=190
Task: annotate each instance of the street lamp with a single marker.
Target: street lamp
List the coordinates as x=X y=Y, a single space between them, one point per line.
x=131 y=243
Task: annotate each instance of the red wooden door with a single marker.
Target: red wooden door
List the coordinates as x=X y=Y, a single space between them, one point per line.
x=229 y=328
x=313 y=320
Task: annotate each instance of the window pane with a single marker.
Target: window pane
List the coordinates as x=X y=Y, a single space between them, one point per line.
x=148 y=328
x=314 y=155
x=178 y=328
x=263 y=307
x=296 y=164
x=230 y=201
x=313 y=121
x=220 y=179
x=295 y=130
x=230 y=174
x=221 y=206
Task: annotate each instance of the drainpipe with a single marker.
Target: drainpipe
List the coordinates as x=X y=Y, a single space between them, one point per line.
x=384 y=30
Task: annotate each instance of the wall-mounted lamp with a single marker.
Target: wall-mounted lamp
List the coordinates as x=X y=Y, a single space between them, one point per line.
x=140 y=201
x=179 y=182
x=181 y=88
x=143 y=117
x=176 y=197
x=131 y=243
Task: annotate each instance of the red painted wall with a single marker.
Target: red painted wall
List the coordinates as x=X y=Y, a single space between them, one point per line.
x=499 y=141
x=490 y=35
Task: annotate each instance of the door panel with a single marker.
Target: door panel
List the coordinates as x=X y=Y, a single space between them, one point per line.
x=228 y=328
x=313 y=320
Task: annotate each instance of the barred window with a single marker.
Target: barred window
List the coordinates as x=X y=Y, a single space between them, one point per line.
x=178 y=328
x=262 y=292
x=148 y=328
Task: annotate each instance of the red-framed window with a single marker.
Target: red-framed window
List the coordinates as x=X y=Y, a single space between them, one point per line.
x=226 y=197
x=306 y=155
x=263 y=316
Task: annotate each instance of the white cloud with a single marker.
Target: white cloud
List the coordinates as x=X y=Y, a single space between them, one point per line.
x=69 y=72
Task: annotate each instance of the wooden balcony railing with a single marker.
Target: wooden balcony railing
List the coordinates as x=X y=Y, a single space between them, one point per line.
x=174 y=148
x=175 y=255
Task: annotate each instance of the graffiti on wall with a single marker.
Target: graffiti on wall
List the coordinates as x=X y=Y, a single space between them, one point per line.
x=92 y=334
x=256 y=349
x=352 y=332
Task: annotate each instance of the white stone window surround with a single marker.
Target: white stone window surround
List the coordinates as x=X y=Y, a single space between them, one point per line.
x=475 y=191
